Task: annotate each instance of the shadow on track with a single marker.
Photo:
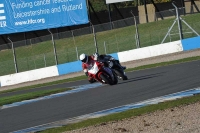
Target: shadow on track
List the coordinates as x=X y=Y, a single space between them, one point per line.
x=143 y=77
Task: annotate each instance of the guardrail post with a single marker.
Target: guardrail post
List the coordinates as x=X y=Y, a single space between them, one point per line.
x=54 y=47
x=95 y=40
x=179 y=22
x=77 y=53
x=45 y=62
x=136 y=30
x=105 y=47
x=178 y=19
x=14 y=55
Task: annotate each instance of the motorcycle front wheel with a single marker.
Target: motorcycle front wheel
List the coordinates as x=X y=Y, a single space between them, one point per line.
x=105 y=79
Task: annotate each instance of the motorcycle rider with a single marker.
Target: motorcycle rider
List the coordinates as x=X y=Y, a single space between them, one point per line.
x=86 y=61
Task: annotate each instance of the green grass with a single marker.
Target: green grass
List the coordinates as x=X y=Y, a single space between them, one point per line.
x=31 y=57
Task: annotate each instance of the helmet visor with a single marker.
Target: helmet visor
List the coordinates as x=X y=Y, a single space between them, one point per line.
x=85 y=60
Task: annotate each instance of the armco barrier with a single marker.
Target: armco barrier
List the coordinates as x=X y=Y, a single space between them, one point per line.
x=29 y=76
x=150 y=51
x=191 y=43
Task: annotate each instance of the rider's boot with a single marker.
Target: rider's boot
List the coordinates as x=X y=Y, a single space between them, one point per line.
x=118 y=63
x=123 y=67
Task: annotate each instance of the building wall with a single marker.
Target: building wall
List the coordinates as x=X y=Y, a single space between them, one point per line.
x=188 y=7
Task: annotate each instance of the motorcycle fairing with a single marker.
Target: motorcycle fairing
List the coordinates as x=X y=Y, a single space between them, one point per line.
x=94 y=69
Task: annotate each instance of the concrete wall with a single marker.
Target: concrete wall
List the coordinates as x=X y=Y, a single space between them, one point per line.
x=191 y=43
x=150 y=51
x=27 y=76
x=69 y=67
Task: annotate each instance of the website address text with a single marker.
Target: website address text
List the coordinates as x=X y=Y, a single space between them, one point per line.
x=30 y=21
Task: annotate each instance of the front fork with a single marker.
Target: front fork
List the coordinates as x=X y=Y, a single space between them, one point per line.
x=109 y=71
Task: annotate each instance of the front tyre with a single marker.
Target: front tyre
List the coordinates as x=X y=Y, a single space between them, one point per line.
x=91 y=80
x=105 y=79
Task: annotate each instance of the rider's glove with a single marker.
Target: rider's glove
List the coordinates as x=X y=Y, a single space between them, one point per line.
x=86 y=72
x=96 y=55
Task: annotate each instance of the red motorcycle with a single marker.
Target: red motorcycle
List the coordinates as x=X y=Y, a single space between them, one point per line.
x=101 y=73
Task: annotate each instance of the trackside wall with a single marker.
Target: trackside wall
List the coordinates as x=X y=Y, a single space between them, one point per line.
x=27 y=76
x=191 y=43
x=150 y=51
x=69 y=67
x=141 y=53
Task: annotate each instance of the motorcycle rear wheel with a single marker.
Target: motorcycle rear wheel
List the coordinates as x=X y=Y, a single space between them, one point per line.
x=115 y=79
x=121 y=74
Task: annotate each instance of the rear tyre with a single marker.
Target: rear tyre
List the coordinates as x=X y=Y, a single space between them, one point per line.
x=121 y=74
x=105 y=79
x=115 y=79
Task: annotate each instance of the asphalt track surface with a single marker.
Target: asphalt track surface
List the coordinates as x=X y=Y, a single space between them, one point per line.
x=142 y=85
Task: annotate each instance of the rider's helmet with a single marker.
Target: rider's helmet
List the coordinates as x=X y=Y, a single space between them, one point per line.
x=84 y=58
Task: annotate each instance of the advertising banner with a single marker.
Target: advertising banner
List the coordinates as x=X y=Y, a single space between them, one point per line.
x=30 y=15
x=115 y=1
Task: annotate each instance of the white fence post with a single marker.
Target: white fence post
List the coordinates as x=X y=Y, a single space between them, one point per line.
x=105 y=47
